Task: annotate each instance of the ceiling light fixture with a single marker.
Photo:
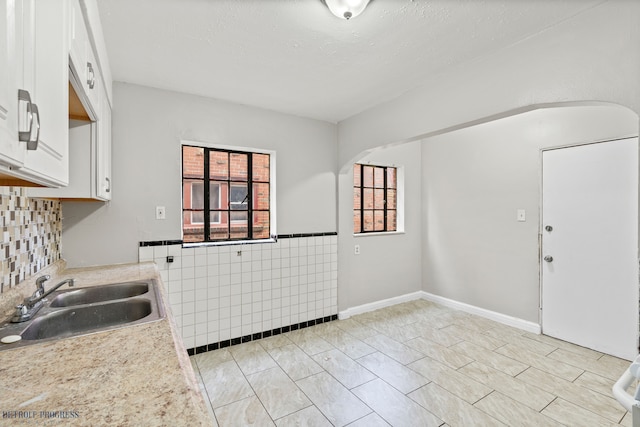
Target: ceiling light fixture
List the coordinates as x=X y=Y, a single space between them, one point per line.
x=346 y=9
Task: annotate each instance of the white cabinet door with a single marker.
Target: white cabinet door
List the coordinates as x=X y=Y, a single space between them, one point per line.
x=83 y=61
x=77 y=38
x=34 y=48
x=48 y=79
x=11 y=151
x=103 y=150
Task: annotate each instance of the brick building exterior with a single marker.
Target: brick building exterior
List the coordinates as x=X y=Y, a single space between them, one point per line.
x=231 y=203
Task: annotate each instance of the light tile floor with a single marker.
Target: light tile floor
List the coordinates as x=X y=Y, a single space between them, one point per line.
x=412 y=364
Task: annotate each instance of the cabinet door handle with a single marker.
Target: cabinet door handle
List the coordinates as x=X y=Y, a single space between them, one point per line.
x=23 y=96
x=108 y=190
x=32 y=144
x=91 y=77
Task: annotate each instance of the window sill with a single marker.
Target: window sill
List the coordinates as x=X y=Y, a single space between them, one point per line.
x=228 y=243
x=380 y=233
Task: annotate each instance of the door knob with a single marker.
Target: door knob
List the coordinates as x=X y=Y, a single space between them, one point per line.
x=548 y=258
x=548 y=228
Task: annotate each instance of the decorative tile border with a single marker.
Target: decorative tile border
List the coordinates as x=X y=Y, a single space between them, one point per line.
x=260 y=335
x=279 y=236
x=31 y=235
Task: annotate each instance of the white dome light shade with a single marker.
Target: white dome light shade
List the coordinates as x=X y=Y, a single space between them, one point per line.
x=346 y=9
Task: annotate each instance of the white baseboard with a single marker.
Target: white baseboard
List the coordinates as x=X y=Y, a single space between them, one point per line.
x=467 y=308
x=364 y=308
x=482 y=312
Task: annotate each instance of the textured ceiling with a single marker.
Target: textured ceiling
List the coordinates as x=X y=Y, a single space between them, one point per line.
x=293 y=56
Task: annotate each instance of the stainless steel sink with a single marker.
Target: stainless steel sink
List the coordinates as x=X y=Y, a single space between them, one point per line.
x=99 y=294
x=71 y=321
x=83 y=311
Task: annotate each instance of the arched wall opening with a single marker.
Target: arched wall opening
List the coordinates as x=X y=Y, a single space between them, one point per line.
x=464 y=186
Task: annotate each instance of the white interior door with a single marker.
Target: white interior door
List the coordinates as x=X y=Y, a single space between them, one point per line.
x=589 y=232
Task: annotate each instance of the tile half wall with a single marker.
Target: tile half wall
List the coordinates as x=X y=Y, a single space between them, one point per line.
x=225 y=294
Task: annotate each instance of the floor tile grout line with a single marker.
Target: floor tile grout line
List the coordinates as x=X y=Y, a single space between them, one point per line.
x=314 y=404
x=484 y=412
x=578 y=404
x=602 y=417
x=256 y=394
x=204 y=386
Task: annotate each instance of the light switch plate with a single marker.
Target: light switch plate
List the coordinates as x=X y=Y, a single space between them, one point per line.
x=161 y=212
x=522 y=215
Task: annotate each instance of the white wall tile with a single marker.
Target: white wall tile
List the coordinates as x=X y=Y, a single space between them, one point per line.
x=159 y=251
x=188 y=261
x=213 y=334
x=145 y=253
x=236 y=321
x=236 y=278
x=218 y=295
x=201 y=339
x=203 y=283
x=236 y=289
x=188 y=296
x=202 y=294
x=188 y=284
x=175 y=250
x=175 y=299
x=224 y=258
x=201 y=271
x=236 y=331
x=188 y=319
x=200 y=319
x=175 y=274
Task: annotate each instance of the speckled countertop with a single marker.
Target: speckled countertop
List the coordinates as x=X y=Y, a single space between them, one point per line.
x=133 y=376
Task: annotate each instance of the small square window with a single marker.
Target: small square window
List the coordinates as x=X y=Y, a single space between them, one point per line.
x=374 y=198
x=235 y=204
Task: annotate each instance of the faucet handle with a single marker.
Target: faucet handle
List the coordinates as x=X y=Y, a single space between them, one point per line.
x=21 y=309
x=40 y=282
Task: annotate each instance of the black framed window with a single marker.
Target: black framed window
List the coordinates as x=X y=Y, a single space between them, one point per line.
x=225 y=195
x=375 y=198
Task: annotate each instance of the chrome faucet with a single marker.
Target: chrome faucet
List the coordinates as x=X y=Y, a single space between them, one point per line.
x=31 y=305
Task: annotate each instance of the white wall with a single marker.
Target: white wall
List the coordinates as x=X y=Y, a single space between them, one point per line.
x=148 y=125
x=388 y=265
x=473 y=181
x=592 y=56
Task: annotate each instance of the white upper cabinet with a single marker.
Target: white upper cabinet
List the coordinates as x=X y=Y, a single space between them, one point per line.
x=34 y=94
x=11 y=152
x=47 y=80
x=78 y=39
x=89 y=138
x=82 y=60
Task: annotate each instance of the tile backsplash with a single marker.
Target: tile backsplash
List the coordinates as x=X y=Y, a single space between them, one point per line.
x=31 y=235
x=221 y=293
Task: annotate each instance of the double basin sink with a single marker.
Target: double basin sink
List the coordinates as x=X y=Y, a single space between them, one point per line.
x=82 y=311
